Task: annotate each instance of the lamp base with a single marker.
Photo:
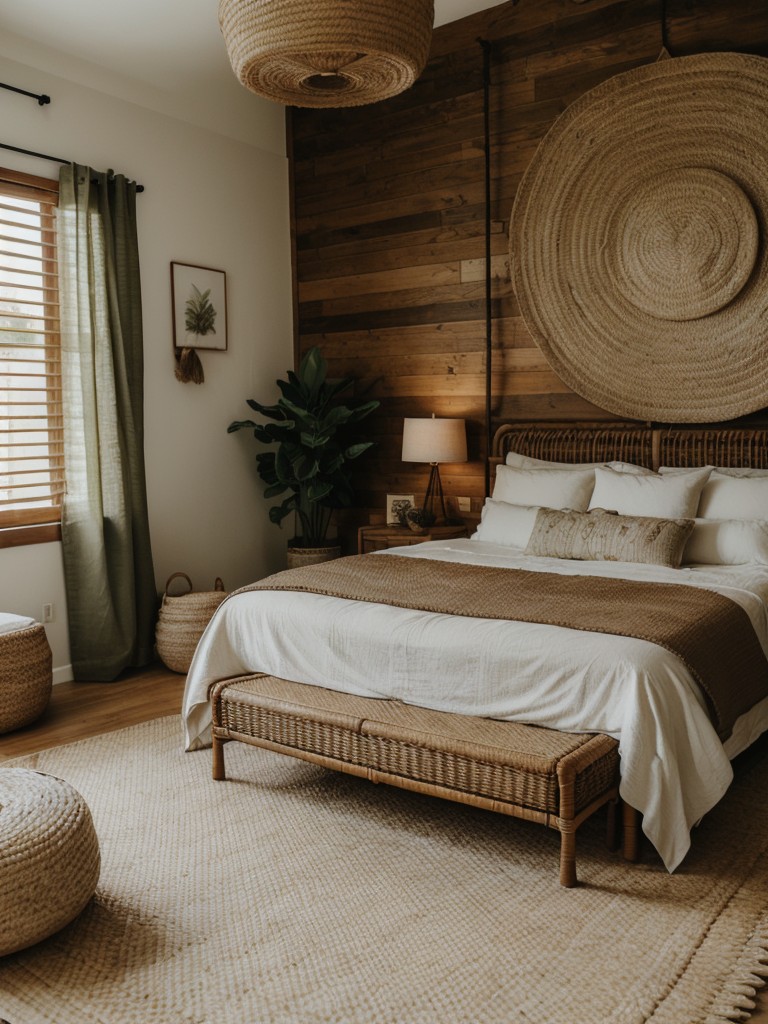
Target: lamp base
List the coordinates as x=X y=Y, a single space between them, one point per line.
x=434 y=493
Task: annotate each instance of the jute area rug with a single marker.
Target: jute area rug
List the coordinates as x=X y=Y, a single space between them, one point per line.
x=294 y=895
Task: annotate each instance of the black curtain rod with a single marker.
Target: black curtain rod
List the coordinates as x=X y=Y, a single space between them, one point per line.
x=46 y=156
x=41 y=98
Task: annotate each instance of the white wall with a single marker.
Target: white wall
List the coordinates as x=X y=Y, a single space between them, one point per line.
x=209 y=200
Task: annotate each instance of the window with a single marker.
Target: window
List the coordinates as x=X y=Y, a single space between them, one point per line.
x=31 y=435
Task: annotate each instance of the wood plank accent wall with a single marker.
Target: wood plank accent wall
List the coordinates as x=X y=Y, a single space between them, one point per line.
x=388 y=217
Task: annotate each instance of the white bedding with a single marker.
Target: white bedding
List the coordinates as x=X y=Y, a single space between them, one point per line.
x=674 y=767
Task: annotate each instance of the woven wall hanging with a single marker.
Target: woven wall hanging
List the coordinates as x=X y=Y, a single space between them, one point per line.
x=638 y=241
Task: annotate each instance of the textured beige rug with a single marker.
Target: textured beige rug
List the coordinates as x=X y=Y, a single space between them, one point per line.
x=294 y=895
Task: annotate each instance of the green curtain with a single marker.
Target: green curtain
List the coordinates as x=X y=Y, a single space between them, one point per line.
x=110 y=585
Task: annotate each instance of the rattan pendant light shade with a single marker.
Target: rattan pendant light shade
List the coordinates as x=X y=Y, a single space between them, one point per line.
x=327 y=53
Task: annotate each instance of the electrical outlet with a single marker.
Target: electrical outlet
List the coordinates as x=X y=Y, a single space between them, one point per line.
x=48 y=613
x=465 y=504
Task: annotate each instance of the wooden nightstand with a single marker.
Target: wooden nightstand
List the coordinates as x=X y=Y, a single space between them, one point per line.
x=374 y=538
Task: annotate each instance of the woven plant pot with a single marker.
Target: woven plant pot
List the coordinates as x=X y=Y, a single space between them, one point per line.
x=182 y=620
x=25 y=676
x=311 y=556
x=49 y=857
x=320 y=53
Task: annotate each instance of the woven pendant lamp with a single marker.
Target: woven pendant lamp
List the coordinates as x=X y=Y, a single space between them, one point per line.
x=327 y=53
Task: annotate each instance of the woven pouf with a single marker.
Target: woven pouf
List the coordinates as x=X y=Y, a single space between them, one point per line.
x=49 y=857
x=25 y=671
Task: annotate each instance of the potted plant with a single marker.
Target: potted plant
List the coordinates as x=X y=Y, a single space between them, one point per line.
x=314 y=446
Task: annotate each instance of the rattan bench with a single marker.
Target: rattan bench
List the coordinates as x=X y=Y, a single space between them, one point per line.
x=556 y=778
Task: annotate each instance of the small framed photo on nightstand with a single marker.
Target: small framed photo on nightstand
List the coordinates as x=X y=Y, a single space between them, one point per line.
x=397 y=504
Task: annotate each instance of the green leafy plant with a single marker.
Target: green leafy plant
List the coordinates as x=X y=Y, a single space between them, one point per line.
x=199 y=314
x=314 y=446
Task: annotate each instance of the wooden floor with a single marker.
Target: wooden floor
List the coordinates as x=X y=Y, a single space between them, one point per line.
x=79 y=710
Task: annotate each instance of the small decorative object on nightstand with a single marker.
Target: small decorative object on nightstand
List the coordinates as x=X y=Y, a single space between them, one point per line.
x=376 y=538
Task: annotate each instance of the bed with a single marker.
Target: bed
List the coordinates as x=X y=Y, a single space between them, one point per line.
x=675 y=752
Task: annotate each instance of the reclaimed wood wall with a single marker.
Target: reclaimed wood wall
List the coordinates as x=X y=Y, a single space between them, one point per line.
x=388 y=217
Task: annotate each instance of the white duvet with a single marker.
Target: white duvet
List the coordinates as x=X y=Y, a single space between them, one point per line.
x=674 y=768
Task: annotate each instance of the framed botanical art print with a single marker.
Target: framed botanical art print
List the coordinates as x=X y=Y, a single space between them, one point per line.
x=397 y=505
x=199 y=301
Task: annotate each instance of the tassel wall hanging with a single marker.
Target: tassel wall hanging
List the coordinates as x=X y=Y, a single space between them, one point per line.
x=188 y=367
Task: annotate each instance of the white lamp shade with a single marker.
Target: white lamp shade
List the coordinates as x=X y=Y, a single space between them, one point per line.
x=434 y=440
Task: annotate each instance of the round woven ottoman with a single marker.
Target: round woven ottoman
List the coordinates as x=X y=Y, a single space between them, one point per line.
x=49 y=856
x=25 y=671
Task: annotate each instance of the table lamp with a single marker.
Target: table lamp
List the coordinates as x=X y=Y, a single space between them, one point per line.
x=434 y=440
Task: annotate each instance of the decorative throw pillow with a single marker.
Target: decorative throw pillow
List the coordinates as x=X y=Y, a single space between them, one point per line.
x=601 y=536
x=675 y=496
x=554 y=488
x=502 y=523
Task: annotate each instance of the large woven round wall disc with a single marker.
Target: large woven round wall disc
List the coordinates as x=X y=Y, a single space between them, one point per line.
x=638 y=241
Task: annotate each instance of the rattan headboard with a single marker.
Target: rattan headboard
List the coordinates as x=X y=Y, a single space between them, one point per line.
x=634 y=442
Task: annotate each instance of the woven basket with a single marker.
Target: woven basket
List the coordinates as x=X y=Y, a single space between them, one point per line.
x=25 y=676
x=182 y=620
x=298 y=557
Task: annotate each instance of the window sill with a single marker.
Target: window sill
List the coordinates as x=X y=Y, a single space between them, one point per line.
x=18 y=536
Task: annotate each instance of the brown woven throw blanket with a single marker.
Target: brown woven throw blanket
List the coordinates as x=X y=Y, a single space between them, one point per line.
x=710 y=633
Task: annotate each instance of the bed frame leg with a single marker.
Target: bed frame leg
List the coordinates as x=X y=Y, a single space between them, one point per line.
x=612 y=825
x=568 y=856
x=219 y=771
x=632 y=832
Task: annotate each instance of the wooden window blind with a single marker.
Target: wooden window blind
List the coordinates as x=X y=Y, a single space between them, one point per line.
x=31 y=432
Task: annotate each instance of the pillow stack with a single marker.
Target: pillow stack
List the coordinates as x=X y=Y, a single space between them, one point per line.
x=710 y=516
x=732 y=518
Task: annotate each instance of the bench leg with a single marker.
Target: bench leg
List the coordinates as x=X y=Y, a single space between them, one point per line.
x=632 y=832
x=567 y=856
x=219 y=771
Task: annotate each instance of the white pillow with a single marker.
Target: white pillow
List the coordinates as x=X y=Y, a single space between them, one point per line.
x=727 y=542
x=528 y=462
x=675 y=496
x=734 y=497
x=741 y=471
x=554 y=488
x=725 y=470
x=502 y=523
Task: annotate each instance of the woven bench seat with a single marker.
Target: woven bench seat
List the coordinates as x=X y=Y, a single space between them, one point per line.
x=556 y=778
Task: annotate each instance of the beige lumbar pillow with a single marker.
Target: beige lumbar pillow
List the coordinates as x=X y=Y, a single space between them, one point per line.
x=603 y=536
